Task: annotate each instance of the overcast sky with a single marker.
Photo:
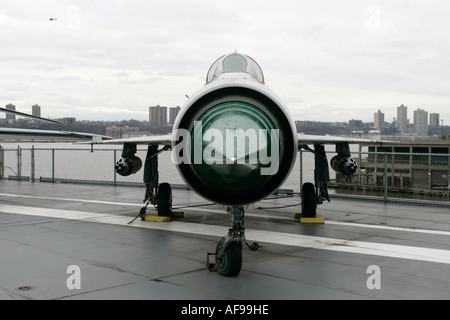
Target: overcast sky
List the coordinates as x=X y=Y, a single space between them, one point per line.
x=328 y=60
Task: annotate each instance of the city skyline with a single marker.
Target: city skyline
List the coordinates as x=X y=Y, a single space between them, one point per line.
x=106 y=60
x=401 y=120
x=36 y=110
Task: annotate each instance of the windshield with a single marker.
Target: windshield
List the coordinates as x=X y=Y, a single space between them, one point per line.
x=232 y=63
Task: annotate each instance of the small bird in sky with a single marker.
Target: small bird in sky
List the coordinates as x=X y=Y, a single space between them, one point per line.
x=53 y=19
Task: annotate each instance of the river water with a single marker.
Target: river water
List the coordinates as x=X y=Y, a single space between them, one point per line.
x=76 y=161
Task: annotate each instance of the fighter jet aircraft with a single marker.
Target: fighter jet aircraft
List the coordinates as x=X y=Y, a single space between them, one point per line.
x=234 y=143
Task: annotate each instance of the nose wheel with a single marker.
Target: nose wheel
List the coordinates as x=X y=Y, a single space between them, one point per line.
x=228 y=259
x=228 y=255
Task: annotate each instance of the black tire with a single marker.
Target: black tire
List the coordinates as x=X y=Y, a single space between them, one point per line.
x=231 y=262
x=308 y=200
x=164 y=201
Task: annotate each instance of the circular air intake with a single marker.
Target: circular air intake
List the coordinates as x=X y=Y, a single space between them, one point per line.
x=242 y=146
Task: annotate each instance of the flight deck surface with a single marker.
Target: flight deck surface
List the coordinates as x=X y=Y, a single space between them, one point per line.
x=54 y=237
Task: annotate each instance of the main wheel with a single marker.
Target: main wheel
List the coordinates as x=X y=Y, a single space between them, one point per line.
x=309 y=205
x=164 y=201
x=229 y=265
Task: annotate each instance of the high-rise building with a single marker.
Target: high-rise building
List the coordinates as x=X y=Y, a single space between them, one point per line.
x=434 y=119
x=158 y=115
x=378 y=120
x=402 y=119
x=9 y=116
x=36 y=110
x=173 y=112
x=421 y=122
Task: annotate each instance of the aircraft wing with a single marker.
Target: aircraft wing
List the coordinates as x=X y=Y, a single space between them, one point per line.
x=304 y=139
x=28 y=116
x=32 y=135
x=165 y=140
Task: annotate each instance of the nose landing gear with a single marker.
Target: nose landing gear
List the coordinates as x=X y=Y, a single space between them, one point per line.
x=228 y=253
x=228 y=258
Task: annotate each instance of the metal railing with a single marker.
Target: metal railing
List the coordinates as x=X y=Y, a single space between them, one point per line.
x=403 y=177
x=392 y=176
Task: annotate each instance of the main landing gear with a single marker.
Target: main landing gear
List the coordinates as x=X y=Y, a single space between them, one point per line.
x=160 y=195
x=228 y=253
x=161 y=198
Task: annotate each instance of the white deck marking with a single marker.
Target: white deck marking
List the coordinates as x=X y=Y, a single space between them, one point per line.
x=247 y=214
x=341 y=245
x=70 y=199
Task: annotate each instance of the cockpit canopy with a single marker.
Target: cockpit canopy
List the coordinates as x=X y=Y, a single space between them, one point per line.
x=232 y=63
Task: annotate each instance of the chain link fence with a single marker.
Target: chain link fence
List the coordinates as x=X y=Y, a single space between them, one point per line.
x=394 y=175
